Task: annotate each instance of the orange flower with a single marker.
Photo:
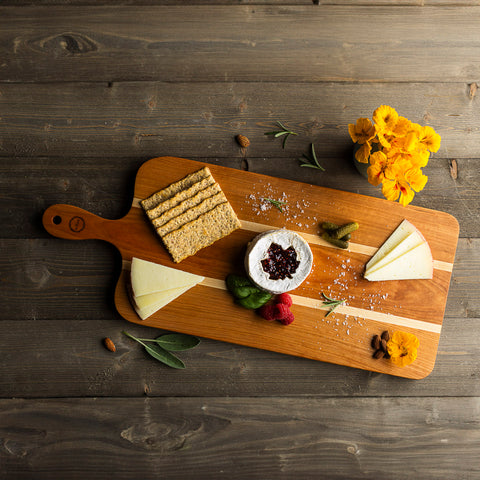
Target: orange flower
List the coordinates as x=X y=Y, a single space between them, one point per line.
x=363 y=131
x=386 y=119
x=402 y=348
x=396 y=149
x=430 y=138
x=398 y=189
x=376 y=171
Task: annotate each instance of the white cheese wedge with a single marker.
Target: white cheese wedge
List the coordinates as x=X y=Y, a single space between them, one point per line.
x=403 y=231
x=417 y=263
x=145 y=310
x=148 y=277
x=257 y=251
x=144 y=301
x=412 y=241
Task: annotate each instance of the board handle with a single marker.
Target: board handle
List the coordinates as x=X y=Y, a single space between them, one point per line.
x=73 y=223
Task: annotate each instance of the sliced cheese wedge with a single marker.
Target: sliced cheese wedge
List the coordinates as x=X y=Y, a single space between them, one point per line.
x=417 y=263
x=403 y=231
x=412 y=241
x=144 y=301
x=145 y=310
x=148 y=277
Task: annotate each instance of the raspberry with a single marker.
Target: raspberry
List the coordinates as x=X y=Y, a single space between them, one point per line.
x=288 y=319
x=282 y=310
x=268 y=312
x=279 y=312
x=285 y=298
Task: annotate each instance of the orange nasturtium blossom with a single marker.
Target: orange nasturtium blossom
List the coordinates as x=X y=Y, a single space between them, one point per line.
x=399 y=187
x=397 y=149
x=402 y=348
x=362 y=133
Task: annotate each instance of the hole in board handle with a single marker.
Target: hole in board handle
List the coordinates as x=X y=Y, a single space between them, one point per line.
x=57 y=220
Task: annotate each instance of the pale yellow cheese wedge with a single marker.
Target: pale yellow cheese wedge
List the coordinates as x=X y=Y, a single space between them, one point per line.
x=412 y=241
x=402 y=231
x=156 y=301
x=148 y=277
x=417 y=263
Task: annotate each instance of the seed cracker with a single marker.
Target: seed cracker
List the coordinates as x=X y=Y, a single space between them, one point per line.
x=192 y=213
x=182 y=207
x=179 y=197
x=201 y=232
x=172 y=189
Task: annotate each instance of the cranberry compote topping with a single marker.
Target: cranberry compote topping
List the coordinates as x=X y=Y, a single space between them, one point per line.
x=280 y=263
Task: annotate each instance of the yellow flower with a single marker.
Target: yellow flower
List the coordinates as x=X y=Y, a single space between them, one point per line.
x=386 y=119
x=376 y=170
x=397 y=189
x=402 y=127
x=430 y=138
x=402 y=348
x=416 y=179
x=362 y=154
x=400 y=149
x=362 y=132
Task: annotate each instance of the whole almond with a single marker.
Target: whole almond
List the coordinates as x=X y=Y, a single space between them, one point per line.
x=243 y=141
x=378 y=354
x=385 y=336
x=109 y=344
x=383 y=345
x=376 y=342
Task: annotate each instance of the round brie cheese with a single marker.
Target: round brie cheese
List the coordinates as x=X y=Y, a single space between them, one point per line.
x=258 y=251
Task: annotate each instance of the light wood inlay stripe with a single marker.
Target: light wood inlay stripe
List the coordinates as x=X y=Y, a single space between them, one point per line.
x=344 y=309
x=317 y=240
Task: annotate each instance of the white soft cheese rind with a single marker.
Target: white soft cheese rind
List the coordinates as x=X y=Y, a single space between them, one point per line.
x=417 y=263
x=257 y=251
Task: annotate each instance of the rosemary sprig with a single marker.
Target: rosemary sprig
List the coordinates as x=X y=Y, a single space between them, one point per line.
x=330 y=302
x=276 y=203
x=311 y=158
x=283 y=132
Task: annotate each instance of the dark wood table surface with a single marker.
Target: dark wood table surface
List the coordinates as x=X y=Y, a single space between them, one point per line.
x=90 y=90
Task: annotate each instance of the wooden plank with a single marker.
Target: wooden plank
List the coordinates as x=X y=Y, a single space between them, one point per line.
x=321 y=3
x=146 y=119
x=176 y=43
x=104 y=186
x=66 y=358
x=241 y=438
x=56 y=279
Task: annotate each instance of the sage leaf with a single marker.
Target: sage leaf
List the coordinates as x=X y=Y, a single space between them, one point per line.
x=159 y=353
x=176 y=342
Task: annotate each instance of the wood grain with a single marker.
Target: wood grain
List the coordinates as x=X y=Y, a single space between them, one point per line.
x=243 y=44
x=133 y=237
x=185 y=438
x=149 y=119
x=66 y=358
x=89 y=90
x=104 y=186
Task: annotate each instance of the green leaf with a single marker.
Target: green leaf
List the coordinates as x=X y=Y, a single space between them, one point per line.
x=175 y=342
x=160 y=354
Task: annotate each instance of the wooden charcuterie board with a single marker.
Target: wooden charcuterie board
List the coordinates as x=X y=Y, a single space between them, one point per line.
x=208 y=310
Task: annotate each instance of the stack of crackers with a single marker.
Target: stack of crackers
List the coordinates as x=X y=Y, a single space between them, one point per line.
x=191 y=214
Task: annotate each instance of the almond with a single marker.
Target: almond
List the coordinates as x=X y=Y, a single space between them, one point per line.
x=243 y=141
x=109 y=344
x=378 y=354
